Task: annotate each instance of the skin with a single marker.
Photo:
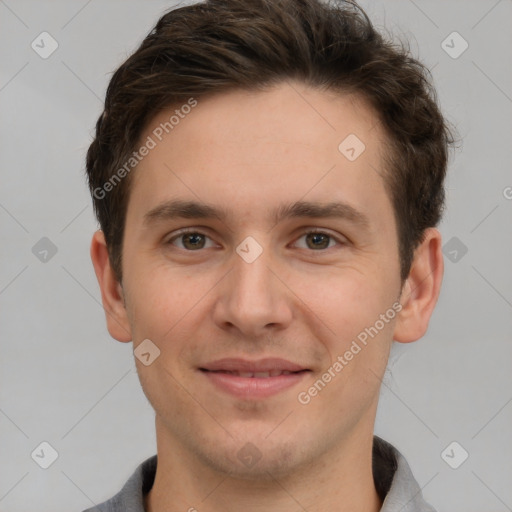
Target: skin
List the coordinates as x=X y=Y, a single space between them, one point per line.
x=251 y=152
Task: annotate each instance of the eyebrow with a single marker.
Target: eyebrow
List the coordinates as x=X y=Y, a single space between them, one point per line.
x=177 y=208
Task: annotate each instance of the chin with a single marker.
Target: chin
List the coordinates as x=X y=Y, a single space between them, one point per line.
x=253 y=461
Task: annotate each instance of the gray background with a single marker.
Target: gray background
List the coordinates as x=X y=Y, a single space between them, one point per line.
x=63 y=380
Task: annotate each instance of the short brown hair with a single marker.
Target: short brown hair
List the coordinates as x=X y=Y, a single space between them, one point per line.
x=221 y=45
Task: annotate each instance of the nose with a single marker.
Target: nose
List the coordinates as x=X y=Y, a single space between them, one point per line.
x=253 y=298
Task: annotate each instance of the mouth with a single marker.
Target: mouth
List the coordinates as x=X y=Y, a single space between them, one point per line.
x=257 y=375
x=253 y=379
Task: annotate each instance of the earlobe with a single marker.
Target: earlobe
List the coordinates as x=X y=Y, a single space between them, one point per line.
x=421 y=289
x=111 y=291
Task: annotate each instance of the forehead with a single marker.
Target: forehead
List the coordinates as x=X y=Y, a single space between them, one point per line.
x=248 y=148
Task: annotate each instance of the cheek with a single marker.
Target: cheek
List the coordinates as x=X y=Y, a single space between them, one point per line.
x=161 y=299
x=361 y=318
x=360 y=315
x=348 y=301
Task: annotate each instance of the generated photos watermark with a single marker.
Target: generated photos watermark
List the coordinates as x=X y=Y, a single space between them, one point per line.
x=304 y=397
x=157 y=135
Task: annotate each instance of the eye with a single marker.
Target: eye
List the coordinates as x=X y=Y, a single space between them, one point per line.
x=190 y=240
x=193 y=240
x=318 y=240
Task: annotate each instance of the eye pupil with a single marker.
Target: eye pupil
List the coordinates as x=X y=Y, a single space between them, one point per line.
x=195 y=237
x=318 y=237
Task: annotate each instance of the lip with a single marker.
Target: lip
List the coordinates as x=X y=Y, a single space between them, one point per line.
x=245 y=365
x=255 y=387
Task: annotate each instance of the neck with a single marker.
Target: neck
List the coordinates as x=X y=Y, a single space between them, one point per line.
x=341 y=480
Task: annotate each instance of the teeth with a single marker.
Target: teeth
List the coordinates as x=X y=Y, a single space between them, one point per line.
x=260 y=375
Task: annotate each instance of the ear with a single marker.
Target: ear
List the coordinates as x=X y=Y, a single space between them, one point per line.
x=111 y=290
x=421 y=289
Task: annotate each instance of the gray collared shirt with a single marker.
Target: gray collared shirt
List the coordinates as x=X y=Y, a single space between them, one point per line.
x=393 y=478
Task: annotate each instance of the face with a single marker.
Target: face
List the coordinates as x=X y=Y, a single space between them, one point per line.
x=265 y=280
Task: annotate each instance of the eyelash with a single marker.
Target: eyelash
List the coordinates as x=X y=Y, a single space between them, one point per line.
x=310 y=232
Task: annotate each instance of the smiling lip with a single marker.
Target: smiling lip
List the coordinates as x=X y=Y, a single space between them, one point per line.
x=253 y=379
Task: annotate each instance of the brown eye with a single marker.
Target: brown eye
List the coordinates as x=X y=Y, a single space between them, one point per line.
x=318 y=240
x=193 y=241
x=189 y=240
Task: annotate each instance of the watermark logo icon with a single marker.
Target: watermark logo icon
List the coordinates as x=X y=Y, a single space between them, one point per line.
x=454 y=249
x=146 y=352
x=454 y=45
x=454 y=455
x=44 y=455
x=44 y=45
x=44 y=250
x=249 y=249
x=249 y=455
x=351 y=147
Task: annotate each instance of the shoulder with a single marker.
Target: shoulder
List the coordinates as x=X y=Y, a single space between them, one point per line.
x=395 y=481
x=131 y=497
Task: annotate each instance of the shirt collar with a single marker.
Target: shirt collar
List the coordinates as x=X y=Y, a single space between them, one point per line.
x=404 y=493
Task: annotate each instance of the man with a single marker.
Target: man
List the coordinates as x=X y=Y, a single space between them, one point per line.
x=268 y=177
